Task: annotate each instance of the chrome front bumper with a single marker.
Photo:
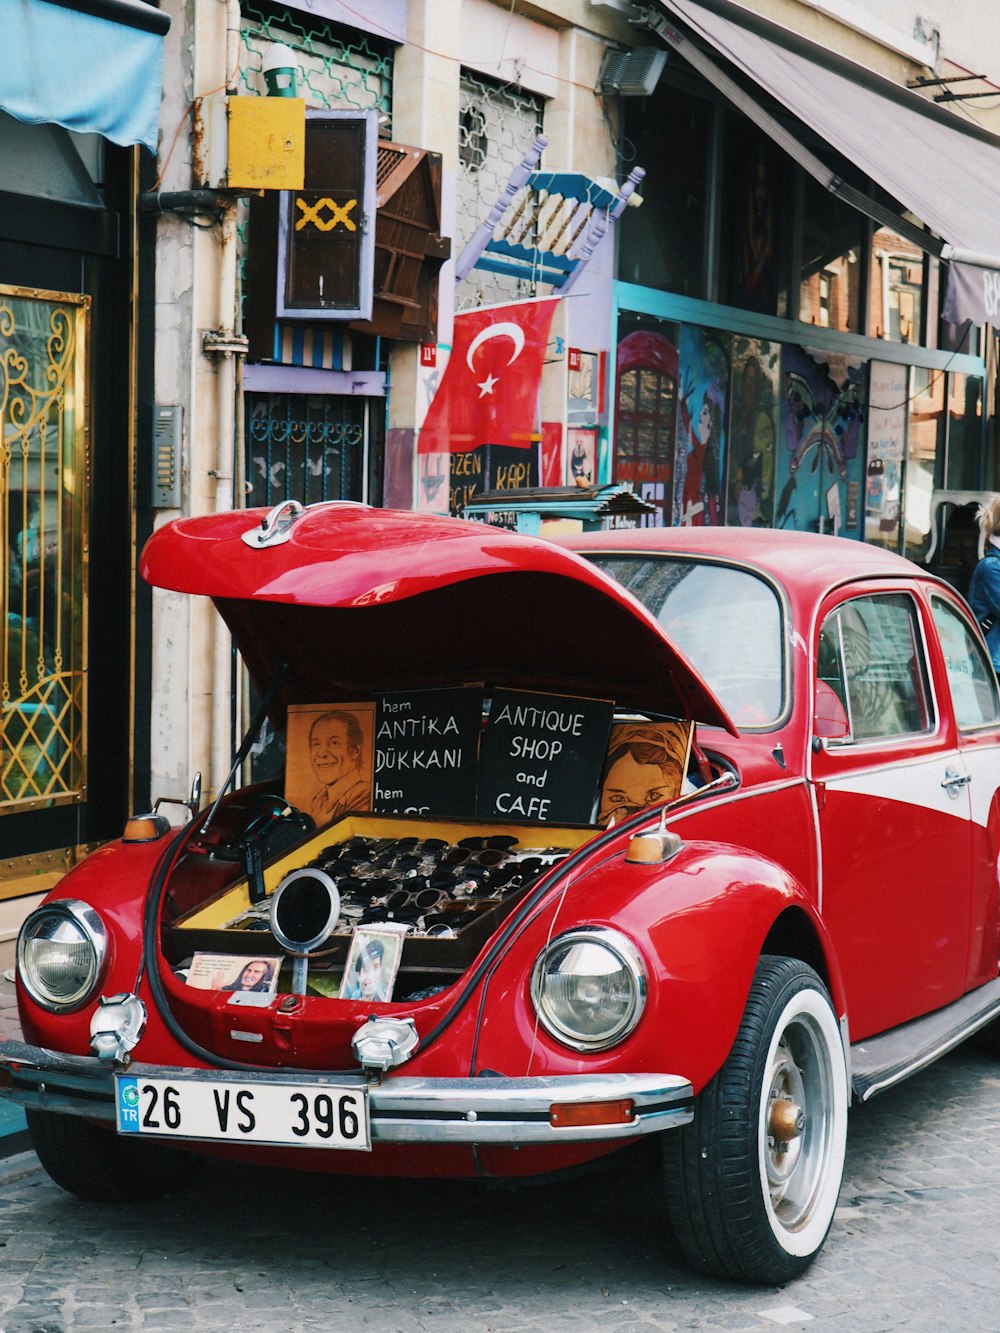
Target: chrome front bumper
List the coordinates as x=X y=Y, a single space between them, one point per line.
x=403 y=1110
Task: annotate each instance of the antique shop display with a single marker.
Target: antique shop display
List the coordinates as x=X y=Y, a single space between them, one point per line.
x=663 y=841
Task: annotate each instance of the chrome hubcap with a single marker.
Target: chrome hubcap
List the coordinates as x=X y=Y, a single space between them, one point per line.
x=796 y=1123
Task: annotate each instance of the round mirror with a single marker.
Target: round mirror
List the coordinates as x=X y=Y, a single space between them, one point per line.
x=304 y=910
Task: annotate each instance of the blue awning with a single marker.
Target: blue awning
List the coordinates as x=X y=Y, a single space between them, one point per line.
x=94 y=66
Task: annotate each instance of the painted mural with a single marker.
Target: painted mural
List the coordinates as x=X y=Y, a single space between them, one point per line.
x=753 y=433
x=764 y=434
x=700 y=452
x=820 y=472
x=646 y=413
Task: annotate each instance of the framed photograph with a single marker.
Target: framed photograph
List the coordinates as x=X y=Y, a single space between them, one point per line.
x=646 y=763
x=583 y=386
x=582 y=457
x=234 y=972
x=328 y=771
x=372 y=964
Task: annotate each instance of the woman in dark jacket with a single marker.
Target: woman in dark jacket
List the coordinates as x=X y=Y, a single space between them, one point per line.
x=984 y=586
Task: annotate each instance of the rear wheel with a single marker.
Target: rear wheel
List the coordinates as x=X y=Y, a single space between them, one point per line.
x=752 y=1182
x=101 y=1166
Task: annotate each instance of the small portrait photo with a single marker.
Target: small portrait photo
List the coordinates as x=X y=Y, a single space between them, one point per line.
x=329 y=765
x=371 y=966
x=646 y=763
x=234 y=972
x=582 y=457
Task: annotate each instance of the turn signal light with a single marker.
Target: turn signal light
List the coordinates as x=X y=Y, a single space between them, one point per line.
x=653 y=848
x=565 y=1115
x=145 y=828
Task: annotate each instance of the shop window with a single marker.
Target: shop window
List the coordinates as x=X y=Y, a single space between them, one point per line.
x=965 y=431
x=663 y=244
x=43 y=474
x=752 y=435
x=833 y=239
x=896 y=289
x=924 y=456
x=753 y=264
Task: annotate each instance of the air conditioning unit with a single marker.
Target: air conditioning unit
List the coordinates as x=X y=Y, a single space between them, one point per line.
x=632 y=73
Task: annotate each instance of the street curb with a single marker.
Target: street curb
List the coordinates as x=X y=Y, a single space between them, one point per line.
x=18 y=1166
x=17 y=1141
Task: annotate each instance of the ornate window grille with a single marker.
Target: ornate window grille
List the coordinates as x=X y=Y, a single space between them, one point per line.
x=44 y=467
x=333 y=73
x=312 y=447
x=497 y=126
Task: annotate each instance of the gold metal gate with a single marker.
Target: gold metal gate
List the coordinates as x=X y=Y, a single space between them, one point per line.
x=44 y=466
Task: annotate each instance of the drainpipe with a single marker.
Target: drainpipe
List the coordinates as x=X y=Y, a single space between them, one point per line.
x=228 y=347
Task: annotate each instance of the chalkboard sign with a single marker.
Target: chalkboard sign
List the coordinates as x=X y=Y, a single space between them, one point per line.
x=542 y=756
x=426 y=750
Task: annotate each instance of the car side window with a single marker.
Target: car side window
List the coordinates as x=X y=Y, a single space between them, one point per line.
x=871 y=675
x=970 y=673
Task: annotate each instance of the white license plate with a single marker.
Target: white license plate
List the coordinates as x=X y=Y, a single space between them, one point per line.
x=241 y=1111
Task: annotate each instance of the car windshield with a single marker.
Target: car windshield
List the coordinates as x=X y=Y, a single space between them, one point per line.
x=726 y=621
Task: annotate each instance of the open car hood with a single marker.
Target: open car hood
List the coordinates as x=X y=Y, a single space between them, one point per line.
x=356 y=601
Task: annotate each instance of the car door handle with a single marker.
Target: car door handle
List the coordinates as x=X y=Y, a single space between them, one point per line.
x=953 y=780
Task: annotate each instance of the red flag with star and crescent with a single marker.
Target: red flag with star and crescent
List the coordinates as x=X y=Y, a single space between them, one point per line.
x=489 y=390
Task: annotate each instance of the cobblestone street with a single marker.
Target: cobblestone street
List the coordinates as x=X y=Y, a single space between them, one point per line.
x=915 y=1244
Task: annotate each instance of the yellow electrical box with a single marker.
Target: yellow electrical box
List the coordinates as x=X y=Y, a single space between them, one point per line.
x=267 y=143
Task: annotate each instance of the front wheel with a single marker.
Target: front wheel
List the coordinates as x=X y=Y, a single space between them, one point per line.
x=752 y=1182
x=100 y=1166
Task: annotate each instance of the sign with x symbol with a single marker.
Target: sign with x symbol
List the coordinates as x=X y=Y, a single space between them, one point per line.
x=339 y=214
x=327 y=227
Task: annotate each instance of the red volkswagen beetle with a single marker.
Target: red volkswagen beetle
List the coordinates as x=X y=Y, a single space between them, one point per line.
x=683 y=833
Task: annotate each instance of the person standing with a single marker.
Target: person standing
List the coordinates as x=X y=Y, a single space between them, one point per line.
x=984 y=586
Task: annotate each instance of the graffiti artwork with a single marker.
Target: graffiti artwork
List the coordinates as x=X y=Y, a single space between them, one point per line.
x=752 y=433
x=823 y=418
x=701 y=443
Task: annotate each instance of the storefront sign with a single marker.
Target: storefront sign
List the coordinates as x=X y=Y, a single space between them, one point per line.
x=491 y=467
x=541 y=757
x=426 y=749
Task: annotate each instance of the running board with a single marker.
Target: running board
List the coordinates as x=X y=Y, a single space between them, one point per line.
x=880 y=1062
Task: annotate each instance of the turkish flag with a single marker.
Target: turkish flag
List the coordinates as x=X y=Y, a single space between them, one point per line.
x=489 y=390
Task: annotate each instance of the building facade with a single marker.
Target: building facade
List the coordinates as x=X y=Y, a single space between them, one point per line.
x=80 y=98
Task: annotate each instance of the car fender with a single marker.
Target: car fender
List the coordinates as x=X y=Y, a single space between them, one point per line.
x=113 y=881
x=701 y=922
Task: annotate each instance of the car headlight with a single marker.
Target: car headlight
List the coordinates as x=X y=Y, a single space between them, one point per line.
x=589 y=988
x=60 y=954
